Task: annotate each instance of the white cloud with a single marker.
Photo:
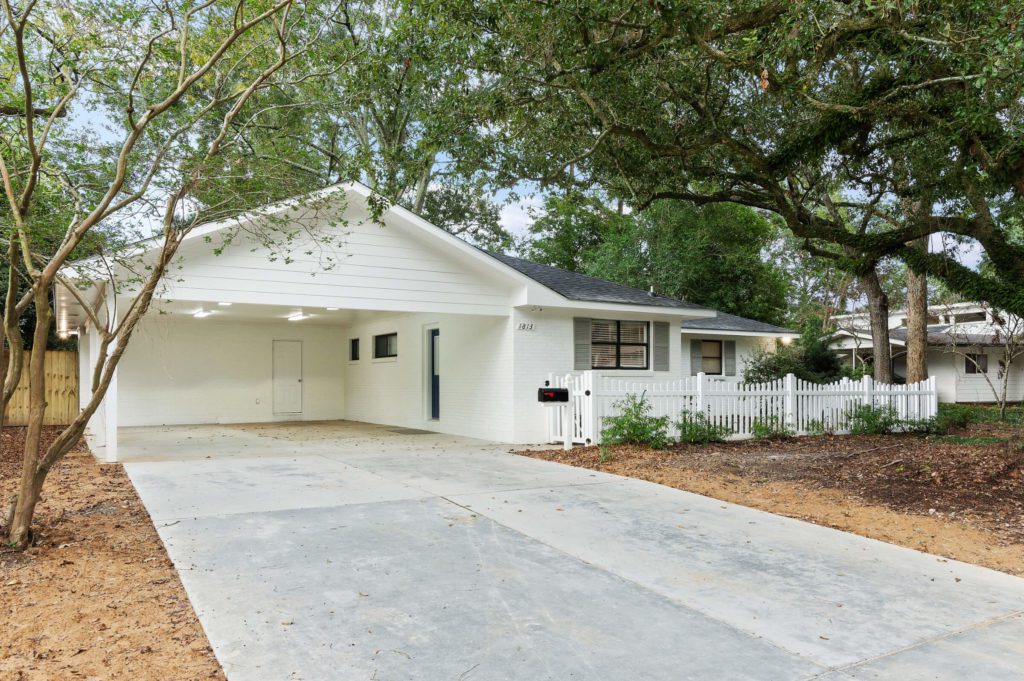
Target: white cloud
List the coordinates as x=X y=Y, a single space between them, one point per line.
x=515 y=216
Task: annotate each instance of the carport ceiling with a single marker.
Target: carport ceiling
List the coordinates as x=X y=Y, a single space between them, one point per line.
x=247 y=312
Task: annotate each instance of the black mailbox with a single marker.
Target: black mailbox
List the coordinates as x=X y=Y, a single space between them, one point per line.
x=553 y=395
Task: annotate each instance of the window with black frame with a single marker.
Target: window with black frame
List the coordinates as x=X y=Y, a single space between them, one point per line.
x=619 y=344
x=385 y=345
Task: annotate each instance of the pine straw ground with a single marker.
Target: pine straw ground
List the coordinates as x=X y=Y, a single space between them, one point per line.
x=96 y=597
x=945 y=495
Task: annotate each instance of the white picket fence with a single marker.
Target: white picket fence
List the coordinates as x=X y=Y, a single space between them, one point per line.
x=800 y=406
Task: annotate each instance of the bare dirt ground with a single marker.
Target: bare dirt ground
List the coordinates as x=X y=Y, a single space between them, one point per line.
x=944 y=495
x=96 y=597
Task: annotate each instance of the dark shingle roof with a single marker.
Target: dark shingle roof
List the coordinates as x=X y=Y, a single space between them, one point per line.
x=575 y=286
x=731 y=322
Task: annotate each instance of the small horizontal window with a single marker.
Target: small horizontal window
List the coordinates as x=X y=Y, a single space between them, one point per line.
x=353 y=349
x=385 y=345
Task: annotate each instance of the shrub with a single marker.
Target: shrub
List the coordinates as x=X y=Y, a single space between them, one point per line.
x=809 y=359
x=634 y=424
x=818 y=427
x=954 y=417
x=866 y=419
x=696 y=429
x=772 y=428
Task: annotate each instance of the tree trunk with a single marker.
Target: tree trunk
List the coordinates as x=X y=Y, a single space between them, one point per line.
x=917 y=323
x=33 y=470
x=11 y=332
x=878 y=310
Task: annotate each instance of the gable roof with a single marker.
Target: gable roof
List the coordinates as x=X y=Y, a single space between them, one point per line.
x=580 y=287
x=730 y=322
x=544 y=284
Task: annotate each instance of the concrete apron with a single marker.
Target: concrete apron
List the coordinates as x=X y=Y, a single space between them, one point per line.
x=465 y=562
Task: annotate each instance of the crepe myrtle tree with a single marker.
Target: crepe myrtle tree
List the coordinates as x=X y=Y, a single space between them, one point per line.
x=115 y=114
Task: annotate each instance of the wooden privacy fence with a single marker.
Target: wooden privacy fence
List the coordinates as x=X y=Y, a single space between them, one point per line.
x=61 y=367
x=799 y=406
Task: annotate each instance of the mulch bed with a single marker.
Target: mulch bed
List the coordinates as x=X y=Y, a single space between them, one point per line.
x=918 y=491
x=96 y=596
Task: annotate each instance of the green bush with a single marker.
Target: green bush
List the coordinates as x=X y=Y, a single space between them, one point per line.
x=635 y=425
x=954 y=417
x=696 y=429
x=818 y=427
x=868 y=420
x=809 y=359
x=772 y=428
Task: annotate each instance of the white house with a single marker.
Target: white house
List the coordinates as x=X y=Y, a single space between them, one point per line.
x=966 y=349
x=393 y=322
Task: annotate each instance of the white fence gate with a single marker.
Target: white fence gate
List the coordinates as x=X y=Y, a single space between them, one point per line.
x=798 y=405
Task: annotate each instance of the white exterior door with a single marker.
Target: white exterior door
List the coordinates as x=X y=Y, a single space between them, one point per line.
x=287 y=377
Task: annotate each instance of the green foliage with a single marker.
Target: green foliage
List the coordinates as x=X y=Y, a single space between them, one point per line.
x=695 y=428
x=634 y=424
x=953 y=417
x=709 y=255
x=866 y=419
x=963 y=415
x=772 y=428
x=768 y=112
x=818 y=427
x=809 y=359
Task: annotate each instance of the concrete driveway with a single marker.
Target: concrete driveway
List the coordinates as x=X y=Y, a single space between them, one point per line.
x=326 y=552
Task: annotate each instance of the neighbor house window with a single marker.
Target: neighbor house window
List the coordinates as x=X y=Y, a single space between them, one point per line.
x=976 y=364
x=353 y=349
x=711 y=357
x=618 y=344
x=385 y=345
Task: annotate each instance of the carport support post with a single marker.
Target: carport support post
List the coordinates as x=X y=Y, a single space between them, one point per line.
x=110 y=414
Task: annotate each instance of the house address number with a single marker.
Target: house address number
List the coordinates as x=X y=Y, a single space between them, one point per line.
x=524 y=326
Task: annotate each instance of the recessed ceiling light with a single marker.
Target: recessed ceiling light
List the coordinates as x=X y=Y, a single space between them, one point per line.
x=200 y=313
x=298 y=317
x=331 y=309
x=224 y=304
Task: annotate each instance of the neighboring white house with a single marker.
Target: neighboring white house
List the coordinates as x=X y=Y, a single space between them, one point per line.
x=398 y=323
x=965 y=350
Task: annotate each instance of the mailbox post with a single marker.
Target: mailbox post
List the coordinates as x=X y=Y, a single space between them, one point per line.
x=560 y=397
